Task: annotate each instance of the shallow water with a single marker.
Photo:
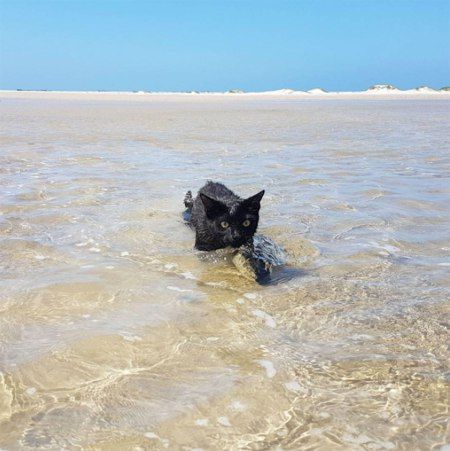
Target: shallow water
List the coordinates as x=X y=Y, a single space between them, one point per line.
x=115 y=334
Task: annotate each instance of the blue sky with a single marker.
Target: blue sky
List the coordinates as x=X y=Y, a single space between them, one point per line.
x=220 y=45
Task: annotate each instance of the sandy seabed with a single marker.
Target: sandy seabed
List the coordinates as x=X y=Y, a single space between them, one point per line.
x=115 y=334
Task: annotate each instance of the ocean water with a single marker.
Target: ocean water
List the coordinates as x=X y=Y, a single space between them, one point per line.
x=116 y=334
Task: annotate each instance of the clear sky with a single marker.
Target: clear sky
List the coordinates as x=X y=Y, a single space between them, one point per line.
x=221 y=45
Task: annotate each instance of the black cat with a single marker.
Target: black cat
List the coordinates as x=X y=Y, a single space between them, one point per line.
x=220 y=218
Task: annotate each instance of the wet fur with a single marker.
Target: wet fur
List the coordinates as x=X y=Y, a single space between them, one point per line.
x=214 y=204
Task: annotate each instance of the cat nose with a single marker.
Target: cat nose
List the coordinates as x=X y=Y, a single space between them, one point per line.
x=235 y=234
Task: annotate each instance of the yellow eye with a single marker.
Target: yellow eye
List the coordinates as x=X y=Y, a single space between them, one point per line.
x=246 y=223
x=224 y=224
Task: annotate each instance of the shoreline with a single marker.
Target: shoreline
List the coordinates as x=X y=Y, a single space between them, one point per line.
x=274 y=95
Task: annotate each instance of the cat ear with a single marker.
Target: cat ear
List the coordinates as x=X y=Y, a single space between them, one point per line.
x=253 y=203
x=213 y=207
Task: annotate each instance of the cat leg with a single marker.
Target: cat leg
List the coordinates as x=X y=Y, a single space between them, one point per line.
x=188 y=200
x=188 y=203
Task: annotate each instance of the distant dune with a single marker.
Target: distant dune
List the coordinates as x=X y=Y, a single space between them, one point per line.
x=317 y=91
x=382 y=88
x=386 y=91
x=425 y=89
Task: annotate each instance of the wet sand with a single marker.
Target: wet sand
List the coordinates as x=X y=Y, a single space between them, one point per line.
x=115 y=334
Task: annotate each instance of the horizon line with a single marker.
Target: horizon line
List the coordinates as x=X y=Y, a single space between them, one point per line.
x=379 y=87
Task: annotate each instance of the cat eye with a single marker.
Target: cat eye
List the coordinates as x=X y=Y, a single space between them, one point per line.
x=246 y=223
x=224 y=224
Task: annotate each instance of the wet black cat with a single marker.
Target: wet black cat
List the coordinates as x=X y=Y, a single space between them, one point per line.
x=221 y=218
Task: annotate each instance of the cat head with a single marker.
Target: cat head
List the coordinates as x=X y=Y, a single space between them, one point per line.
x=232 y=225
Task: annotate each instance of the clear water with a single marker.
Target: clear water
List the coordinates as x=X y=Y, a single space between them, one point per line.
x=115 y=334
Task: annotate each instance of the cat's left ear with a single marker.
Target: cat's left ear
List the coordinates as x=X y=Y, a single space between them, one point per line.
x=213 y=207
x=253 y=203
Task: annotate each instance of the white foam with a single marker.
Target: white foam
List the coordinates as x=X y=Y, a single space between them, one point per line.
x=293 y=386
x=238 y=405
x=131 y=338
x=268 y=319
x=250 y=295
x=224 y=421
x=151 y=435
x=180 y=290
x=165 y=442
x=31 y=391
x=202 y=422
x=269 y=367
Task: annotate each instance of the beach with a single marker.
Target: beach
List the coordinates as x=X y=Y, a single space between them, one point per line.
x=380 y=93
x=116 y=334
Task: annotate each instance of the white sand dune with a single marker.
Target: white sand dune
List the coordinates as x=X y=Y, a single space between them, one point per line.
x=317 y=91
x=376 y=91
x=426 y=89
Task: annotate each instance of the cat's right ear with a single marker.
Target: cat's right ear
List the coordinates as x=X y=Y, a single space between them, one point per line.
x=213 y=207
x=253 y=203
